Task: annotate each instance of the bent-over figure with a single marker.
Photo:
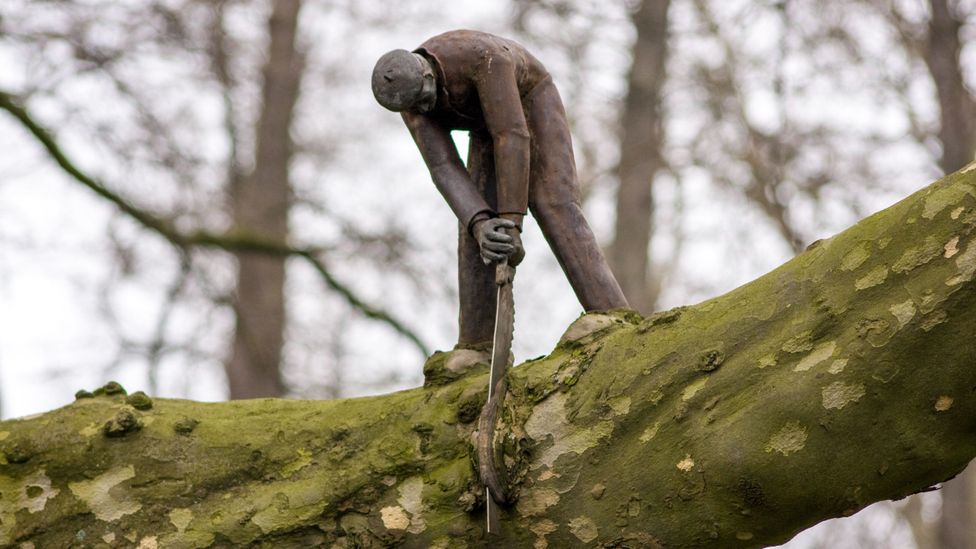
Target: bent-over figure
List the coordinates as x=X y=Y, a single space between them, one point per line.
x=520 y=158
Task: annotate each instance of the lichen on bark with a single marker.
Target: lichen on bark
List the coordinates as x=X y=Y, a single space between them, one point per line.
x=806 y=394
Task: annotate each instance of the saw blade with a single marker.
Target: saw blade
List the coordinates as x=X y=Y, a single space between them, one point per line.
x=501 y=352
x=501 y=347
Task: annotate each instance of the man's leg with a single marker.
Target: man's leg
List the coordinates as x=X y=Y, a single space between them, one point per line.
x=554 y=199
x=476 y=281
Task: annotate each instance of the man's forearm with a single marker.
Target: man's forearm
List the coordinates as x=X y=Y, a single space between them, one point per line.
x=512 y=170
x=459 y=192
x=449 y=174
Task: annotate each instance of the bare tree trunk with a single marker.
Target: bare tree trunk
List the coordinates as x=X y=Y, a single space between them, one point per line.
x=922 y=532
x=955 y=528
x=957 y=133
x=641 y=157
x=260 y=206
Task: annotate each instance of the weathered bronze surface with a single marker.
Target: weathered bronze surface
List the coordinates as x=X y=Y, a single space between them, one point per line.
x=520 y=159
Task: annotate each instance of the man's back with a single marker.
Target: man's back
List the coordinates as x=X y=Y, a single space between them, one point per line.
x=467 y=60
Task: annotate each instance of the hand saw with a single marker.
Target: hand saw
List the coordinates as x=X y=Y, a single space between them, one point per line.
x=489 y=464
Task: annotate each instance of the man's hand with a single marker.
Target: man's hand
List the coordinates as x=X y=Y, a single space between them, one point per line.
x=498 y=239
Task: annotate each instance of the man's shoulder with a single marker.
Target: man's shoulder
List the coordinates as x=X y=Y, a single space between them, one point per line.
x=464 y=41
x=460 y=36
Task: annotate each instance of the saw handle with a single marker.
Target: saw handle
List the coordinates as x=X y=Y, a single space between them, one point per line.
x=504 y=273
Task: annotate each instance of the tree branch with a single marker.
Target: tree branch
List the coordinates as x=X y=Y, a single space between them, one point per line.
x=842 y=378
x=235 y=241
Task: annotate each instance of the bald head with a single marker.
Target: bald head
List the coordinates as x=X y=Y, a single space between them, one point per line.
x=404 y=81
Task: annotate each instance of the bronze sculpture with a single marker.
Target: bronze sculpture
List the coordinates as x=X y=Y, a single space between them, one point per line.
x=520 y=158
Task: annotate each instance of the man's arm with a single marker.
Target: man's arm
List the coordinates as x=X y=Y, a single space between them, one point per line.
x=502 y=109
x=449 y=175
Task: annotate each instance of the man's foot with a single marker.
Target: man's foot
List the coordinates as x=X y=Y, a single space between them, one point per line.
x=582 y=328
x=444 y=367
x=462 y=361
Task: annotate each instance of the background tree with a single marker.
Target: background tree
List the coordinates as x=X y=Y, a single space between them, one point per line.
x=260 y=204
x=641 y=156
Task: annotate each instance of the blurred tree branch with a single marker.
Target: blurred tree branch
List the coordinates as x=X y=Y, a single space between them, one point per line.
x=765 y=153
x=232 y=241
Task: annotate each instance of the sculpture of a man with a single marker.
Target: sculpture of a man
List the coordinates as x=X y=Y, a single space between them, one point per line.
x=520 y=158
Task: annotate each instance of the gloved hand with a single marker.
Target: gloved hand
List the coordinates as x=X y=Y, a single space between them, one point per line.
x=498 y=239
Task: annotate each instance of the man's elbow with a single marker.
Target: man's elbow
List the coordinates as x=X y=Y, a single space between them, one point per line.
x=443 y=169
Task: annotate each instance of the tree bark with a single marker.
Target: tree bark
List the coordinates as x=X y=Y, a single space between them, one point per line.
x=841 y=378
x=641 y=157
x=260 y=206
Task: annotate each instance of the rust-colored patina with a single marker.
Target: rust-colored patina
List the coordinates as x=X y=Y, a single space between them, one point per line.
x=520 y=158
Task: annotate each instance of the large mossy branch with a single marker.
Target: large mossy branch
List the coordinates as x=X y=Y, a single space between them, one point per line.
x=844 y=377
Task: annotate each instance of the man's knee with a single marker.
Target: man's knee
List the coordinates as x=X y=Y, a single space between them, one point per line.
x=562 y=211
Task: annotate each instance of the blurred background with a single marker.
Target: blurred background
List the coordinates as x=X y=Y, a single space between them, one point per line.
x=206 y=202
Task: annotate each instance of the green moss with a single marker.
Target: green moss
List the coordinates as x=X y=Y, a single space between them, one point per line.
x=18 y=450
x=435 y=372
x=917 y=256
x=470 y=406
x=944 y=197
x=110 y=389
x=139 y=400
x=443 y=368
x=661 y=318
x=126 y=421
x=709 y=361
x=185 y=425
x=681 y=457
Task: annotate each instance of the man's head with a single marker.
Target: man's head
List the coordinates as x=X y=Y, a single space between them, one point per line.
x=404 y=81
